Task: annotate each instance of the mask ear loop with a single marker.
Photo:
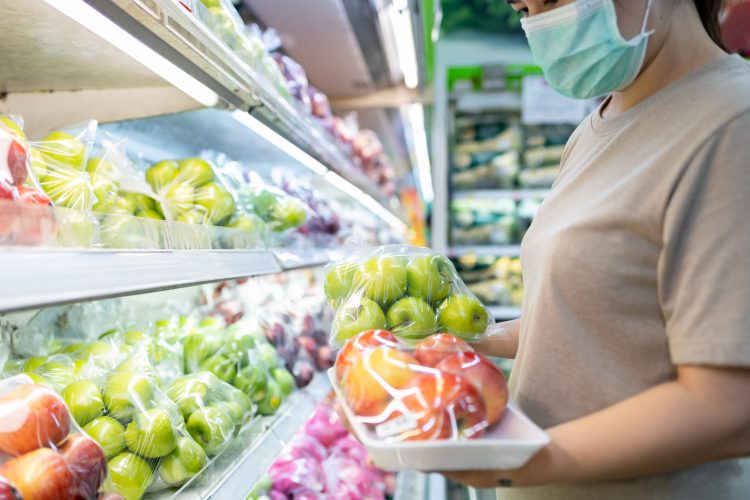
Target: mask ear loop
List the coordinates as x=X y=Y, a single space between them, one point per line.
x=645 y=20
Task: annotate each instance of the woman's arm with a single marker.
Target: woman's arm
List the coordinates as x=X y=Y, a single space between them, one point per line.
x=703 y=415
x=501 y=340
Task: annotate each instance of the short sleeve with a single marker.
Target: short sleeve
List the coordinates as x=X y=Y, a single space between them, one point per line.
x=704 y=267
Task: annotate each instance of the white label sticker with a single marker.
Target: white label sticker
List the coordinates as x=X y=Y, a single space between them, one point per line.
x=403 y=423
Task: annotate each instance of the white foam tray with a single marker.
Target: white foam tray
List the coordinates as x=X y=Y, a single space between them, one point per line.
x=508 y=445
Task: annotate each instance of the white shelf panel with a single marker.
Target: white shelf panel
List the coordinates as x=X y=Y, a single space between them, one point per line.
x=505 y=312
x=34 y=278
x=496 y=194
x=486 y=250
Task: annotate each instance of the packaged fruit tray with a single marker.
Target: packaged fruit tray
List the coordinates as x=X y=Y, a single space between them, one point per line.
x=507 y=445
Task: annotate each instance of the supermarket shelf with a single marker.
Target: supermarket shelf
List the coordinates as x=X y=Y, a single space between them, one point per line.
x=495 y=194
x=34 y=278
x=505 y=312
x=486 y=250
x=240 y=471
x=302 y=257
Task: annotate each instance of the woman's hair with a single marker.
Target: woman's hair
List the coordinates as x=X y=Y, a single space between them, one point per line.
x=709 y=11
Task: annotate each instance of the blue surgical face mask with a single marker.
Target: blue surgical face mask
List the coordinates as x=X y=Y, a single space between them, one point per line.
x=581 y=51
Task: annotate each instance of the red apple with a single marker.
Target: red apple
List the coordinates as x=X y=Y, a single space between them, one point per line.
x=87 y=462
x=32 y=196
x=41 y=475
x=374 y=377
x=359 y=344
x=7 y=490
x=485 y=376
x=436 y=347
x=32 y=416
x=443 y=406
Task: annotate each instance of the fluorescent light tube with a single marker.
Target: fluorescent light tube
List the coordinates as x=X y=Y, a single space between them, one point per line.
x=366 y=200
x=99 y=24
x=421 y=150
x=279 y=141
x=405 y=47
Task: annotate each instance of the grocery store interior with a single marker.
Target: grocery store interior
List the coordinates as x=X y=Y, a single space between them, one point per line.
x=181 y=177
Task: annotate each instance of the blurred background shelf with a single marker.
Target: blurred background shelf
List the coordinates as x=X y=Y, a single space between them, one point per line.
x=35 y=278
x=485 y=250
x=505 y=312
x=494 y=194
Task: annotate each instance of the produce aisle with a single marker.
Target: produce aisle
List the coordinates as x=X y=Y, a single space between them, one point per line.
x=172 y=187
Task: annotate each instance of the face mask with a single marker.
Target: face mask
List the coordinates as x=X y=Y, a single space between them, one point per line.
x=581 y=51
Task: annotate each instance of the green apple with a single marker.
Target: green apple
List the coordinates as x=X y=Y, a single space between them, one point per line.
x=73 y=348
x=139 y=363
x=38 y=164
x=244 y=222
x=150 y=434
x=236 y=396
x=180 y=196
x=268 y=355
x=411 y=318
x=189 y=393
x=233 y=409
x=33 y=363
x=212 y=427
x=240 y=345
x=124 y=231
x=13 y=366
x=284 y=379
x=149 y=214
x=64 y=148
x=101 y=166
x=271 y=400
x=109 y=433
x=463 y=316
x=69 y=188
x=338 y=283
x=195 y=171
x=161 y=174
x=382 y=279
x=76 y=229
x=288 y=213
x=198 y=347
x=356 y=316
x=84 y=400
x=218 y=203
x=430 y=277
x=143 y=202
x=251 y=380
x=125 y=203
x=12 y=126
x=192 y=216
x=102 y=353
x=185 y=461
x=211 y=323
x=221 y=366
x=129 y=475
x=105 y=191
x=124 y=392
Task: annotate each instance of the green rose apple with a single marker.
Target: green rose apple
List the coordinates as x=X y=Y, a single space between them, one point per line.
x=150 y=434
x=382 y=279
x=109 y=433
x=129 y=475
x=184 y=462
x=84 y=400
x=211 y=427
x=463 y=316
x=355 y=316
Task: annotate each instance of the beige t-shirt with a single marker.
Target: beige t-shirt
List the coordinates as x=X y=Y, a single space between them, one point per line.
x=638 y=261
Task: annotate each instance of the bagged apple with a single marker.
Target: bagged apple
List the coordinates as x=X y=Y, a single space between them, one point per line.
x=438 y=389
x=409 y=290
x=48 y=456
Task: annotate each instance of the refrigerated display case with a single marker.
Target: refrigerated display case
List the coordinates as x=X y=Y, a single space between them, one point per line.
x=162 y=76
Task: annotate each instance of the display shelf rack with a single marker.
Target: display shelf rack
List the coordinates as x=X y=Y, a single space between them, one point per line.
x=234 y=472
x=37 y=277
x=485 y=250
x=505 y=312
x=128 y=59
x=496 y=194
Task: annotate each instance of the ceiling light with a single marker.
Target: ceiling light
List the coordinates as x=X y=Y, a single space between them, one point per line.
x=415 y=117
x=98 y=23
x=405 y=47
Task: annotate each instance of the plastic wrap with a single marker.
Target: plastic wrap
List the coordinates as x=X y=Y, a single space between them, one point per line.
x=279 y=211
x=438 y=389
x=46 y=455
x=410 y=290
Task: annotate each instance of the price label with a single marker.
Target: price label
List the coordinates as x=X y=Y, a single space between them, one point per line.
x=403 y=423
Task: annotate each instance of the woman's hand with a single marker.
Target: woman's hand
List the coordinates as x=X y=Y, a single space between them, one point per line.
x=703 y=415
x=500 y=340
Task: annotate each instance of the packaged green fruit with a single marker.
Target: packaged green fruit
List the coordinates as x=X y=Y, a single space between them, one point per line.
x=412 y=291
x=199 y=391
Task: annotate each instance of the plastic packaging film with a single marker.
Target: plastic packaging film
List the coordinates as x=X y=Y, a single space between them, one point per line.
x=409 y=290
x=437 y=389
x=160 y=402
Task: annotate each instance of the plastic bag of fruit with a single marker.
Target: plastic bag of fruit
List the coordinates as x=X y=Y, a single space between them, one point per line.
x=410 y=290
x=438 y=389
x=46 y=456
x=24 y=215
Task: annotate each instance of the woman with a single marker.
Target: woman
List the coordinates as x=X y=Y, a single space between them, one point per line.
x=633 y=349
